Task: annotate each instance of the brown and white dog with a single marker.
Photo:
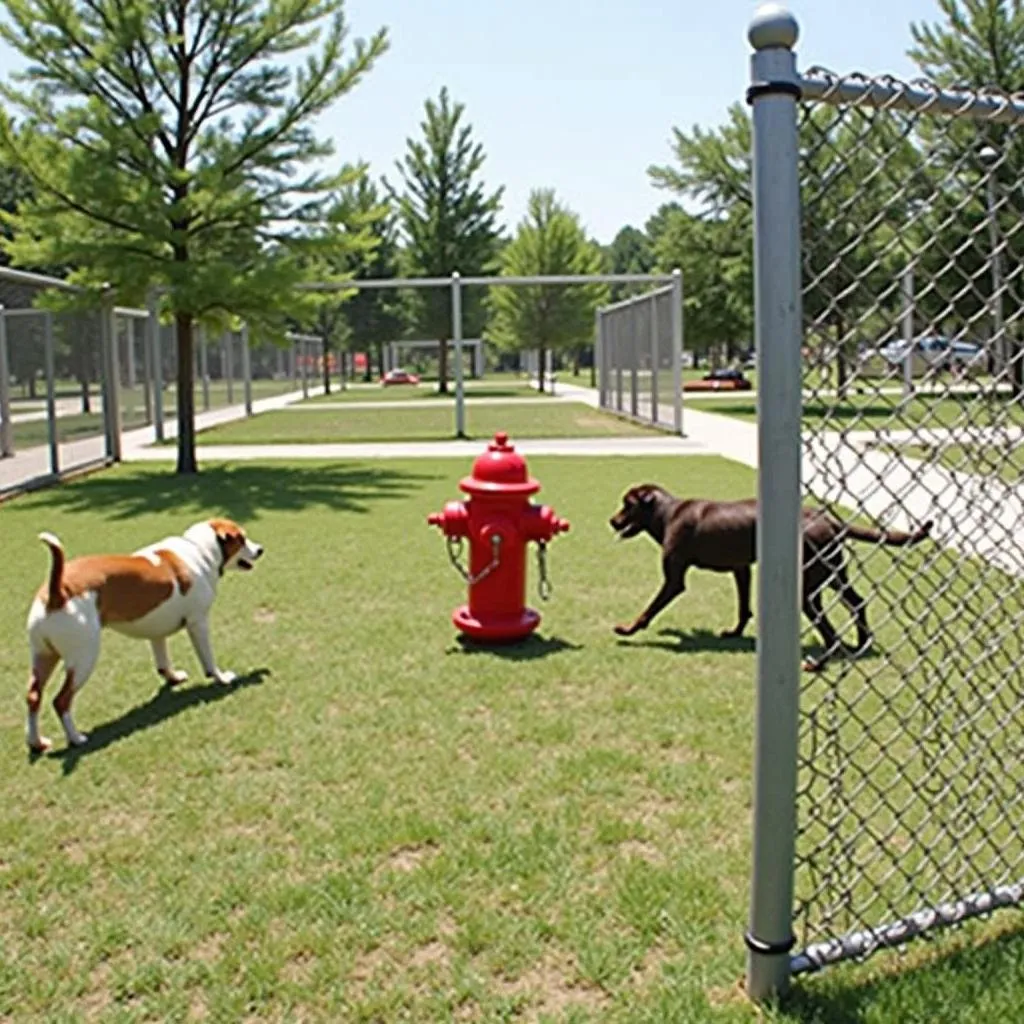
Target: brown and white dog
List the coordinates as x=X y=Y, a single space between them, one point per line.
x=149 y=595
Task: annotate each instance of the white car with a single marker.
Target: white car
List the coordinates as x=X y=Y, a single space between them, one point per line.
x=935 y=350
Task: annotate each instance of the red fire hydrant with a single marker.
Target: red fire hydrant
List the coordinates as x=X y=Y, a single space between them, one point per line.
x=499 y=521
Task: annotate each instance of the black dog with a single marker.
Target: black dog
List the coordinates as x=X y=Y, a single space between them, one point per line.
x=720 y=535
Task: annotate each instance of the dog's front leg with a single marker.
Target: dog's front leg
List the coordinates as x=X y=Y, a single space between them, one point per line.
x=199 y=634
x=673 y=586
x=171 y=676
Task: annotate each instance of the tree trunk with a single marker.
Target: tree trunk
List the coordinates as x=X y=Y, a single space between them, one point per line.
x=442 y=366
x=541 y=352
x=327 y=367
x=186 y=397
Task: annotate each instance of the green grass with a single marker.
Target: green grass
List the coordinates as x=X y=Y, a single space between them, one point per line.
x=564 y=419
x=379 y=824
x=980 y=460
x=474 y=389
x=871 y=411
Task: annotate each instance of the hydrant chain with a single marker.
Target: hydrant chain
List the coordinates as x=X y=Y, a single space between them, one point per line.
x=455 y=553
x=543 y=583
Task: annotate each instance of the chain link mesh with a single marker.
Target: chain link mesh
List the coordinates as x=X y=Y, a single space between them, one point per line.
x=911 y=755
x=636 y=358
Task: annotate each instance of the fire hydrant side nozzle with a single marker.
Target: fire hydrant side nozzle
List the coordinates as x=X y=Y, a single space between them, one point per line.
x=500 y=521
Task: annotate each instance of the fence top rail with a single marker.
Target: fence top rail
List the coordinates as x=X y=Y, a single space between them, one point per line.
x=885 y=92
x=632 y=300
x=493 y=280
x=41 y=280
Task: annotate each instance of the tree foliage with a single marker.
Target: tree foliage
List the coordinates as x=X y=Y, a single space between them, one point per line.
x=171 y=143
x=447 y=215
x=549 y=240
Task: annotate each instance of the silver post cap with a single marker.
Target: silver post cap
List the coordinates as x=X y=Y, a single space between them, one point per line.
x=773 y=26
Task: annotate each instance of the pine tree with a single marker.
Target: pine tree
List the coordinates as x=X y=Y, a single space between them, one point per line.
x=447 y=216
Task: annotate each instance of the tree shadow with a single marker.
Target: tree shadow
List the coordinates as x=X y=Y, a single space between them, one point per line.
x=532 y=648
x=164 y=704
x=240 y=490
x=965 y=977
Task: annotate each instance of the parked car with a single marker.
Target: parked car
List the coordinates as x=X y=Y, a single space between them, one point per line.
x=936 y=350
x=720 y=380
x=399 y=376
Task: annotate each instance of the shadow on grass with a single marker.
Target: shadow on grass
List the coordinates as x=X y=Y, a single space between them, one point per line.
x=240 y=491
x=694 y=641
x=530 y=649
x=707 y=641
x=951 y=987
x=164 y=704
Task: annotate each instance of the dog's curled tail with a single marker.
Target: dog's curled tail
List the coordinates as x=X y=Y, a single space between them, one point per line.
x=894 y=538
x=55 y=588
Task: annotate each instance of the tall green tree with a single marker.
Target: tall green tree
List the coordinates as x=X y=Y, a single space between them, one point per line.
x=171 y=143
x=373 y=316
x=447 y=215
x=630 y=253
x=975 y=44
x=549 y=240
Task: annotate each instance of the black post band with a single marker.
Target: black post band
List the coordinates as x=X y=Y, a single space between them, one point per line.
x=774 y=89
x=756 y=945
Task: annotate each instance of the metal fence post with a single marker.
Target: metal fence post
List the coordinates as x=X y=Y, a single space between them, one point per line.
x=677 y=350
x=460 y=389
x=157 y=360
x=51 y=393
x=111 y=376
x=908 y=330
x=6 y=426
x=147 y=371
x=599 y=370
x=652 y=306
x=246 y=370
x=774 y=90
x=990 y=159
x=228 y=364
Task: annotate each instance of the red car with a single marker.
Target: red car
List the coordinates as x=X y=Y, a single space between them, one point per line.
x=720 y=380
x=399 y=377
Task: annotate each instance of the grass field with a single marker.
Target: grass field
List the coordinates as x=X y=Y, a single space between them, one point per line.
x=379 y=824
x=564 y=419
x=870 y=411
x=509 y=388
x=984 y=460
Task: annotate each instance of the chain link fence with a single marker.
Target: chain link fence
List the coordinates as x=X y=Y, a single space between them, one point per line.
x=639 y=357
x=910 y=741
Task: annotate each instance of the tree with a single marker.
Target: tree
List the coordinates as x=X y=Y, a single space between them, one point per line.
x=169 y=144
x=447 y=216
x=549 y=240
x=374 y=316
x=978 y=44
x=630 y=253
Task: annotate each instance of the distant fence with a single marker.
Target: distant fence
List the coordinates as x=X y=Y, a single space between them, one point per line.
x=73 y=384
x=639 y=356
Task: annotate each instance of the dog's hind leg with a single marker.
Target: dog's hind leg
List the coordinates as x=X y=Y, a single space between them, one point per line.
x=43 y=664
x=858 y=607
x=673 y=586
x=813 y=609
x=742 y=577
x=76 y=675
x=171 y=676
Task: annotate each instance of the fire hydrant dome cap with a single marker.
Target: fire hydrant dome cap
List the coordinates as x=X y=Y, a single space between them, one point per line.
x=500 y=469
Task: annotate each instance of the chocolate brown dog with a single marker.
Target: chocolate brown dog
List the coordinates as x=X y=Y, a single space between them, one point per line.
x=721 y=536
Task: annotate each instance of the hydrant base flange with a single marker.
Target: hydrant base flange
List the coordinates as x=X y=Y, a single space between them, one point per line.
x=505 y=629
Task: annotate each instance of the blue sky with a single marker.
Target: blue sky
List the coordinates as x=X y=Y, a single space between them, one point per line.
x=580 y=96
